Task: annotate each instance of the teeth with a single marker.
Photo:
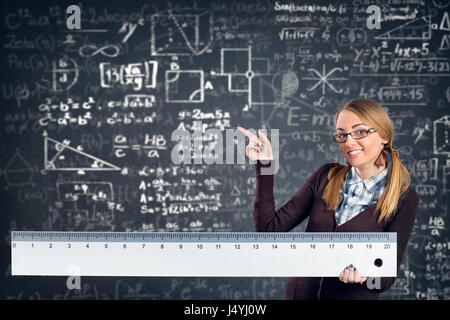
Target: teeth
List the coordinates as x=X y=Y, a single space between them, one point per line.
x=355 y=152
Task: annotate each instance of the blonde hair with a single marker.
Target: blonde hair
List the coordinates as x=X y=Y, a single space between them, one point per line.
x=398 y=179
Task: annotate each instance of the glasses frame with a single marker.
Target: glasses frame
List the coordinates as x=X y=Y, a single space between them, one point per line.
x=351 y=133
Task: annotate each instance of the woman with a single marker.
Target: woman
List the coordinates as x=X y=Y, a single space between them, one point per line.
x=368 y=194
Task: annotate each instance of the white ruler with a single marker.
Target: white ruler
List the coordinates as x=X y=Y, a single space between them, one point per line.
x=206 y=254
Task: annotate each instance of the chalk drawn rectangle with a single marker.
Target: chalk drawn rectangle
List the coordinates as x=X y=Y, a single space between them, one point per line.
x=180 y=34
x=441 y=132
x=185 y=86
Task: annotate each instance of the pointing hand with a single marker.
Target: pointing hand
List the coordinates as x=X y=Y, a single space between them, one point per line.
x=258 y=148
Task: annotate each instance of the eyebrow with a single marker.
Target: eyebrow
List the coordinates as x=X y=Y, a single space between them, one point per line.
x=358 y=124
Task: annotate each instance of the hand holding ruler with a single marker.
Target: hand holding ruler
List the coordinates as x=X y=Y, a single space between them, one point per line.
x=205 y=254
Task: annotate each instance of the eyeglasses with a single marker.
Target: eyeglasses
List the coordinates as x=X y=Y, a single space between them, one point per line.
x=357 y=134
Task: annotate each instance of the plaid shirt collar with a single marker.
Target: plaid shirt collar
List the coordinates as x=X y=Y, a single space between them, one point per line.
x=372 y=184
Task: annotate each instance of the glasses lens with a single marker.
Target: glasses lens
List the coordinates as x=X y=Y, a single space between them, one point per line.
x=358 y=134
x=340 y=138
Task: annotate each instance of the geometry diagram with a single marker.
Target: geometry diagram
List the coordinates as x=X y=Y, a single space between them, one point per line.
x=185 y=86
x=445 y=43
x=324 y=79
x=252 y=76
x=176 y=34
x=136 y=74
x=445 y=22
x=64 y=74
x=59 y=156
x=441 y=135
x=85 y=202
x=18 y=171
x=417 y=29
x=285 y=84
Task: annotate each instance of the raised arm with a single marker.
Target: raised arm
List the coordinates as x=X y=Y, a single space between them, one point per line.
x=294 y=212
x=297 y=209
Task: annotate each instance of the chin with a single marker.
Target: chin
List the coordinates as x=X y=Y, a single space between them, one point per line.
x=356 y=163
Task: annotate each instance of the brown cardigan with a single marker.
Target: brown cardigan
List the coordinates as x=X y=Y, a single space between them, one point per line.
x=307 y=202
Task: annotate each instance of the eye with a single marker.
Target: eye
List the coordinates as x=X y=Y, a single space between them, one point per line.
x=341 y=135
x=361 y=131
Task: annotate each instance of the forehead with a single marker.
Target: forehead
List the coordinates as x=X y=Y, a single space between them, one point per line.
x=347 y=120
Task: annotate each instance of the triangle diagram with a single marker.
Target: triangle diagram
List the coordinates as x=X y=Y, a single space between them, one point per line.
x=445 y=45
x=417 y=29
x=445 y=23
x=61 y=156
x=235 y=192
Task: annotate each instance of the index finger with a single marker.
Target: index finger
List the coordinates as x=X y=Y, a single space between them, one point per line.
x=247 y=133
x=263 y=136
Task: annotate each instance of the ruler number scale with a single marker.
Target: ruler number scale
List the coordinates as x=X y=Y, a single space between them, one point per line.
x=251 y=254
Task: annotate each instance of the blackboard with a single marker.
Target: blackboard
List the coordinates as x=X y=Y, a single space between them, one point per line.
x=87 y=118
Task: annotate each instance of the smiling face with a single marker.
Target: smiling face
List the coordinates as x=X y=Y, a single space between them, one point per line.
x=370 y=146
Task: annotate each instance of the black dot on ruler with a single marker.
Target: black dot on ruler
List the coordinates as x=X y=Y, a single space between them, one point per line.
x=378 y=262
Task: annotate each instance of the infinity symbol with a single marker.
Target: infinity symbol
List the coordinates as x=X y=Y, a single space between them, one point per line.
x=92 y=50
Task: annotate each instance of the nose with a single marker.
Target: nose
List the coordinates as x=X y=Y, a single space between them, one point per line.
x=350 y=141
